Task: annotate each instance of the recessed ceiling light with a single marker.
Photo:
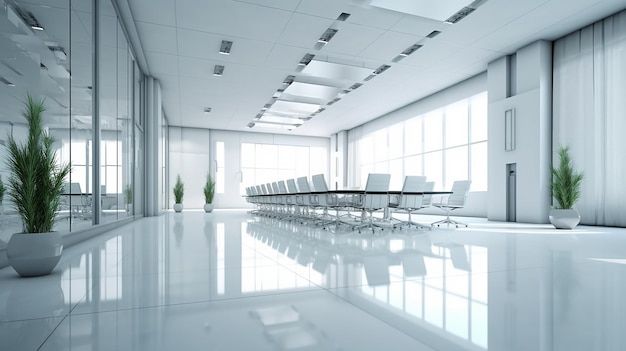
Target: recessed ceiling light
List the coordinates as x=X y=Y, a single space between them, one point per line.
x=433 y=34
x=225 y=47
x=343 y=17
x=306 y=60
x=328 y=34
x=381 y=69
x=207 y=109
x=218 y=70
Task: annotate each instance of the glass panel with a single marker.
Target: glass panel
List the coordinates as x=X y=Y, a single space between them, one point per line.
x=219 y=172
x=433 y=169
x=479 y=167
x=456 y=165
x=433 y=135
x=248 y=156
x=479 y=118
x=456 y=124
x=286 y=157
x=413 y=165
x=397 y=178
x=380 y=145
x=396 y=140
x=366 y=150
x=319 y=161
x=413 y=136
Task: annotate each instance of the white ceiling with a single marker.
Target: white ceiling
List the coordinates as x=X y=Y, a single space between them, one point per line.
x=181 y=38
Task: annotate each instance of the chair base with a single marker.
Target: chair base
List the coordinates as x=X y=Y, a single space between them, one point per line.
x=449 y=221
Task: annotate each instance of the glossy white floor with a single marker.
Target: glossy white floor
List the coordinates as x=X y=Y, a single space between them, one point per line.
x=230 y=281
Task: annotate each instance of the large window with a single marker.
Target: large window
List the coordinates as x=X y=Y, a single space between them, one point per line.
x=265 y=163
x=444 y=145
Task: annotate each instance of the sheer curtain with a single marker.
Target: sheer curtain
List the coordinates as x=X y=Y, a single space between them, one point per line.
x=589 y=115
x=354 y=165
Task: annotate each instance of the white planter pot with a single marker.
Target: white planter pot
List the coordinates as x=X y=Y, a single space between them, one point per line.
x=564 y=219
x=208 y=208
x=178 y=207
x=33 y=255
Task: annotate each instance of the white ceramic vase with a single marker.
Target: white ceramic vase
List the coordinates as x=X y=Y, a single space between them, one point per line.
x=178 y=207
x=208 y=208
x=33 y=254
x=564 y=219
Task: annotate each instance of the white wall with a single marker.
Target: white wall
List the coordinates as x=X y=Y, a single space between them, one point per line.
x=189 y=157
x=531 y=100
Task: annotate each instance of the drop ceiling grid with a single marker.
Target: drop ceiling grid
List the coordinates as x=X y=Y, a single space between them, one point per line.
x=162 y=12
x=157 y=38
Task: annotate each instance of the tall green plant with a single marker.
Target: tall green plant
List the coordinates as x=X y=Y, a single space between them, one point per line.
x=566 y=182
x=179 y=190
x=36 y=177
x=2 y=189
x=209 y=189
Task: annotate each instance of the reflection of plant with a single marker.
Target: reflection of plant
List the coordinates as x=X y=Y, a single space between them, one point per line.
x=2 y=189
x=565 y=184
x=179 y=190
x=128 y=194
x=209 y=189
x=36 y=179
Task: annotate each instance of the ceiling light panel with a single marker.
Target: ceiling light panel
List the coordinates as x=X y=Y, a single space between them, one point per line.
x=281 y=106
x=312 y=90
x=336 y=71
x=218 y=70
x=328 y=35
x=437 y=10
x=281 y=120
x=275 y=125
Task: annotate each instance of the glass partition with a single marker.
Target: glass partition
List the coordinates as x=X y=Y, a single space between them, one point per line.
x=46 y=50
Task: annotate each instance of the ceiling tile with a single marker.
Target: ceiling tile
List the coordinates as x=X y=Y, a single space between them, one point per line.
x=323 y=8
x=304 y=30
x=352 y=39
x=373 y=17
x=389 y=45
x=206 y=45
x=289 y=5
x=162 y=63
x=157 y=38
x=154 y=11
x=235 y=19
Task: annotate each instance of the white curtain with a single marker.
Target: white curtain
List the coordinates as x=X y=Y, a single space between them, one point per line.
x=589 y=115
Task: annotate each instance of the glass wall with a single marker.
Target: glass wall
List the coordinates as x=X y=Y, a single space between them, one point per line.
x=46 y=50
x=444 y=145
x=266 y=163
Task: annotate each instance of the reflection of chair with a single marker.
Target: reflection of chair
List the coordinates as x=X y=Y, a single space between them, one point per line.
x=413 y=264
x=454 y=201
x=458 y=255
x=376 y=270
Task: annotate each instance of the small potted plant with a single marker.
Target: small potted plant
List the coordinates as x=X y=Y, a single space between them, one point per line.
x=179 y=191
x=128 y=197
x=36 y=180
x=209 y=193
x=565 y=189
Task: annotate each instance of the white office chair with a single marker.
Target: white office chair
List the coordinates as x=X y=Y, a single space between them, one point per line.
x=454 y=201
x=374 y=198
x=411 y=200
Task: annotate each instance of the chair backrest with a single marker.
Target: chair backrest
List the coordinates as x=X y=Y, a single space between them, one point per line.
x=319 y=183
x=275 y=189
x=262 y=189
x=270 y=191
x=377 y=182
x=428 y=186
x=282 y=188
x=291 y=186
x=303 y=185
x=460 y=188
x=413 y=184
x=75 y=188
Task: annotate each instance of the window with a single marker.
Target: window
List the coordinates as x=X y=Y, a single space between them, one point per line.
x=445 y=145
x=265 y=163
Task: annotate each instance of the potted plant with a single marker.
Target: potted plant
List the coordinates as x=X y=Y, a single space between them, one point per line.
x=2 y=190
x=128 y=197
x=179 y=191
x=35 y=186
x=209 y=193
x=565 y=189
